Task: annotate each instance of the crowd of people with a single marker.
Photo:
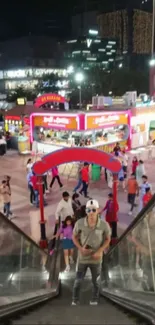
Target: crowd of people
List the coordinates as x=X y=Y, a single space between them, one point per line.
x=89 y=227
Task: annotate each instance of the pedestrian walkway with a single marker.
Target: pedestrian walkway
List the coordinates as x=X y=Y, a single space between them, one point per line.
x=15 y=165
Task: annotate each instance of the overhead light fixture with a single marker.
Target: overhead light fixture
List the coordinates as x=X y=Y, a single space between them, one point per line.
x=72 y=41
x=85 y=51
x=91 y=59
x=93 y=32
x=101 y=50
x=76 y=52
x=112 y=42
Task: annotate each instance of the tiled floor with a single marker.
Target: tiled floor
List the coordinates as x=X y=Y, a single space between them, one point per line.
x=15 y=165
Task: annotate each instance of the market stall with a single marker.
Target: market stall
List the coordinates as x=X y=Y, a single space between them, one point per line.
x=17 y=128
x=106 y=128
x=142 y=126
x=99 y=130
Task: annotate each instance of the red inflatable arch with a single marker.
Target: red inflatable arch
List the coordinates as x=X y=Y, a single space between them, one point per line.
x=67 y=155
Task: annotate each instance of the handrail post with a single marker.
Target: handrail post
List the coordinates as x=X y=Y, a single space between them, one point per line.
x=43 y=239
x=115 y=181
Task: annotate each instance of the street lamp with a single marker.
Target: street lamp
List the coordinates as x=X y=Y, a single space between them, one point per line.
x=70 y=69
x=79 y=78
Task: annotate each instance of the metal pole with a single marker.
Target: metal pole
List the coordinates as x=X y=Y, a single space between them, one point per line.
x=80 y=98
x=153 y=26
x=115 y=180
x=43 y=239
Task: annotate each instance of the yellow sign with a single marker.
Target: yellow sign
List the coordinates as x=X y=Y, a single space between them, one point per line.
x=21 y=101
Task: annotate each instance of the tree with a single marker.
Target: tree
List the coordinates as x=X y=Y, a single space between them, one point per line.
x=20 y=92
x=118 y=81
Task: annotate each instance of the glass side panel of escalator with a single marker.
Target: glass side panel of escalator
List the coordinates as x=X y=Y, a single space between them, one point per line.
x=22 y=263
x=130 y=266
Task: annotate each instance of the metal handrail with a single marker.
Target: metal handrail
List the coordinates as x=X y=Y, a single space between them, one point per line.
x=17 y=229
x=141 y=215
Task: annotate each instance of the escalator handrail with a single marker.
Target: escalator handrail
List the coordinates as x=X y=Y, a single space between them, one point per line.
x=141 y=215
x=22 y=233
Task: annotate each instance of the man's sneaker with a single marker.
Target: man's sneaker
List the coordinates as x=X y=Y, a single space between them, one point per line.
x=71 y=260
x=75 y=303
x=130 y=213
x=94 y=302
x=11 y=216
x=67 y=269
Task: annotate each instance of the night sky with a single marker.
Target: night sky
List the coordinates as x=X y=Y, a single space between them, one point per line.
x=48 y=17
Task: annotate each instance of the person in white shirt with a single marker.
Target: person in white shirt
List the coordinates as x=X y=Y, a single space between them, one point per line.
x=140 y=171
x=125 y=166
x=64 y=207
x=29 y=166
x=142 y=191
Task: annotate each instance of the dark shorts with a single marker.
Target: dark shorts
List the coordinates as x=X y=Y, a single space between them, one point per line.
x=67 y=244
x=121 y=179
x=125 y=171
x=131 y=198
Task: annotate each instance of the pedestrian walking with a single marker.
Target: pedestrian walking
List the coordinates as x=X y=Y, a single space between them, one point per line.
x=133 y=191
x=55 y=174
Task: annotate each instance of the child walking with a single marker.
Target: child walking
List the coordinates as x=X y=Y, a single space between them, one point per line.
x=6 y=196
x=66 y=231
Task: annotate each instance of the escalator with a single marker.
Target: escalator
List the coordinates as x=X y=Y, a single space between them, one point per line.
x=59 y=310
x=34 y=291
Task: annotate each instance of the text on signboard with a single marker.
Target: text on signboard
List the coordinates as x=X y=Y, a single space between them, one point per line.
x=51 y=98
x=57 y=120
x=105 y=119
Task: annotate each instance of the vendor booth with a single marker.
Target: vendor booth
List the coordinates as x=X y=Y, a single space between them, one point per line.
x=142 y=126
x=51 y=131
x=17 y=127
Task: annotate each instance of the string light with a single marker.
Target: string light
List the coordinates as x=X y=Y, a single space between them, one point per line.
x=142 y=32
x=110 y=25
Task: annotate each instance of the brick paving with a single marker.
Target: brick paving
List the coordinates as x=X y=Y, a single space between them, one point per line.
x=14 y=165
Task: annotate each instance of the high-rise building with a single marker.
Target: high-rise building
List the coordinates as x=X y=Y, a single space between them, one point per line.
x=132 y=28
x=89 y=51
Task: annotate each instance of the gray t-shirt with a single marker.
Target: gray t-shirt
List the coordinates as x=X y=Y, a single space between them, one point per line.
x=94 y=238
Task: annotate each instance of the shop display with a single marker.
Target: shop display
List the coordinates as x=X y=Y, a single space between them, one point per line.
x=65 y=130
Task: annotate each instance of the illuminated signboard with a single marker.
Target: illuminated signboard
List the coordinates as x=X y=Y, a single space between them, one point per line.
x=56 y=121
x=46 y=98
x=21 y=101
x=104 y=120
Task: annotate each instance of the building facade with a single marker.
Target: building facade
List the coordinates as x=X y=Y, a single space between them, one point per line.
x=89 y=51
x=28 y=78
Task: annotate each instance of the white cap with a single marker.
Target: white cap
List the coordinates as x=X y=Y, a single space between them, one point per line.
x=92 y=203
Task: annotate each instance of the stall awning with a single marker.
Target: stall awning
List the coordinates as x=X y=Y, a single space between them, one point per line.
x=20 y=110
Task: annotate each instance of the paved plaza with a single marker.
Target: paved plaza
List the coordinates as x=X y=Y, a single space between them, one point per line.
x=15 y=165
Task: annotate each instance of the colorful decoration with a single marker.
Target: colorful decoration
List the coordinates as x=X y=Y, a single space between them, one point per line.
x=67 y=155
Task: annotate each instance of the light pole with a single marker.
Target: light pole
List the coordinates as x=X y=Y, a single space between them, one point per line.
x=79 y=78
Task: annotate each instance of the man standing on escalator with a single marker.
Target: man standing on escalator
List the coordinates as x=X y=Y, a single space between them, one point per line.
x=91 y=236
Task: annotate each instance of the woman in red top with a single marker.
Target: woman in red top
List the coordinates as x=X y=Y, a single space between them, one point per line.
x=134 y=164
x=111 y=215
x=147 y=197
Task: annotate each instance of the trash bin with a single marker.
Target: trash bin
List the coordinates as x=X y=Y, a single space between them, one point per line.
x=96 y=172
